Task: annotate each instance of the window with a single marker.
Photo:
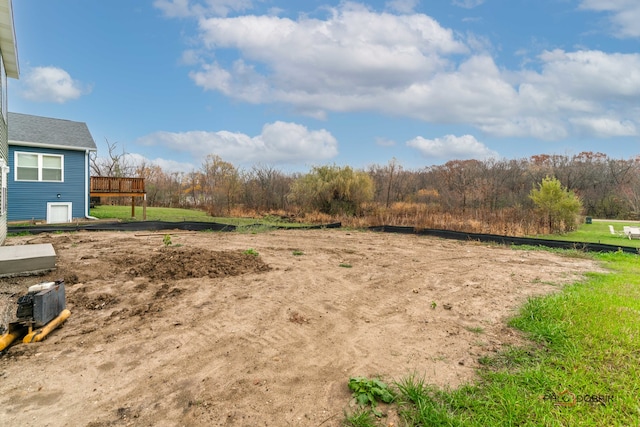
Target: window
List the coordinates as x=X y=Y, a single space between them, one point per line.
x=4 y=170
x=39 y=167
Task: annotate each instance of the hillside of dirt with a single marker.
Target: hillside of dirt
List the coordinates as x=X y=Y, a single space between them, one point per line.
x=231 y=329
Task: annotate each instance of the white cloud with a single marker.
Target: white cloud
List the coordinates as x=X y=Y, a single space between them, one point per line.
x=167 y=165
x=624 y=15
x=402 y=6
x=605 y=127
x=589 y=91
x=190 y=57
x=351 y=53
x=241 y=82
x=593 y=74
x=452 y=147
x=385 y=142
x=51 y=84
x=174 y=8
x=171 y=166
x=278 y=143
x=194 y=8
x=136 y=160
x=408 y=65
x=467 y=4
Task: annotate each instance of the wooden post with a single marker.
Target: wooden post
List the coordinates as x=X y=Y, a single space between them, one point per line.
x=133 y=206
x=144 y=207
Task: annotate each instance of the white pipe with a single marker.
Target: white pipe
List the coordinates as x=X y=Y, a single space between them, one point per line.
x=87 y=174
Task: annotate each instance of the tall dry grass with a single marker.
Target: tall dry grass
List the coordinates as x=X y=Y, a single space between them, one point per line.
x=506 y=222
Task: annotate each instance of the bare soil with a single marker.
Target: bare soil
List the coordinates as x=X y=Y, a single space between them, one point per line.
x=200 y=333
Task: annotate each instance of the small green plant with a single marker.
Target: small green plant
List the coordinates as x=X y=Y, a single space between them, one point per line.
x=298 y=253
x=433 y=304
x=369 y=391
x=166 y=240
x=361 y=417
x=344 y=265
x=21 y=233
x=255 y=228
x=475 y=329
x=251 y=251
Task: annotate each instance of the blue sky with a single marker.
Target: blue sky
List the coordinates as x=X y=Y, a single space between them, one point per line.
x=293 y=84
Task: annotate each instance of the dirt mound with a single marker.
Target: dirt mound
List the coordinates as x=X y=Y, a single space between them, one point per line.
x=185 y=263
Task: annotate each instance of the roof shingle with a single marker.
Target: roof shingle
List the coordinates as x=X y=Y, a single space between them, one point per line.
x=49 y=132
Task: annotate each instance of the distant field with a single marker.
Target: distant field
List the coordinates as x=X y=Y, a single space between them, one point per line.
x=598 y=232
x=123 y=213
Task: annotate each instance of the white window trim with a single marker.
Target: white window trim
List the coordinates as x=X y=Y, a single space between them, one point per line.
x=4 y=172
x=40 y=155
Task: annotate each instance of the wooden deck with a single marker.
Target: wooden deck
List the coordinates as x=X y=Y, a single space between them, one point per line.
x=105 y=186
x=102 y=186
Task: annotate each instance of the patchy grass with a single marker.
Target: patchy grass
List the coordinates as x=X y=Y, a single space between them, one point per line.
x=255 y=228
x=361 y=417
x=582 y=367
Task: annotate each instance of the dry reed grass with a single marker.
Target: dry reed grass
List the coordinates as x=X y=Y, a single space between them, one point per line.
x=419 y=215
x=506 y=222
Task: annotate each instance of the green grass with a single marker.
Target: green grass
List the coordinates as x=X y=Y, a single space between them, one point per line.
x=252 y=225
x=361 y=417
x=123 y=213
x=585 y=344
x=598 y=232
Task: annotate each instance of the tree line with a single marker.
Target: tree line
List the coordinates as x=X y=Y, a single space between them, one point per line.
x=480 y=189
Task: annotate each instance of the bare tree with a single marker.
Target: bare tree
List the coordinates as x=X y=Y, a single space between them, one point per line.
x=115 y=165
x=266 y=188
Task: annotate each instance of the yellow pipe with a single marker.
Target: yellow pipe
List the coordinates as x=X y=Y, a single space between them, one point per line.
x=41 y=334
x=11 y=336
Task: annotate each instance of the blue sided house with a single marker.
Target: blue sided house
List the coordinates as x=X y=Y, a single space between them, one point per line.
x=8 y=68
x=49 y=169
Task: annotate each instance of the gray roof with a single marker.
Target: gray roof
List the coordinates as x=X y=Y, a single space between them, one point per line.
x=25 y=129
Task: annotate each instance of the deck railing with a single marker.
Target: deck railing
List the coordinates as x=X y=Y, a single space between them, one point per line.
x=110 y=186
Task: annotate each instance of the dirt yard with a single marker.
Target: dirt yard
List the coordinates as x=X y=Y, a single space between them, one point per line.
x=199 y=333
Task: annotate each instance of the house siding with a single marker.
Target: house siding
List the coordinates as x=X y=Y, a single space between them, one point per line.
x=9 y=68
x=4 y=154
x=4 y=148
x=28 y=200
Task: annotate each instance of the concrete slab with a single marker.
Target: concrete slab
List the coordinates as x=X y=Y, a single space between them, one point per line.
x=26 y=259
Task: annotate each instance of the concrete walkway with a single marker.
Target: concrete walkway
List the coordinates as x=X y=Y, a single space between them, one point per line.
x=26 y=259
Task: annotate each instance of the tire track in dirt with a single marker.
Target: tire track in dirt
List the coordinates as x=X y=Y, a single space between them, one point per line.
x=158 y=346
